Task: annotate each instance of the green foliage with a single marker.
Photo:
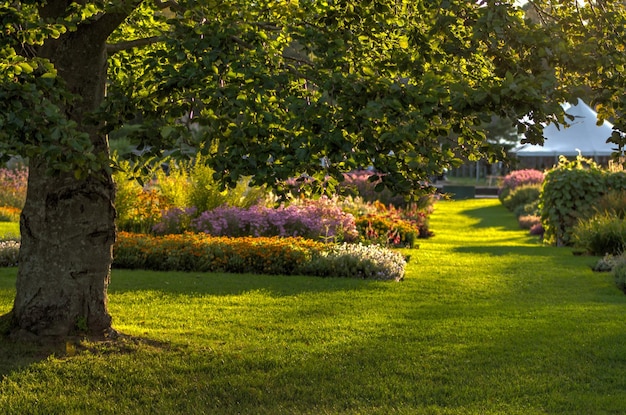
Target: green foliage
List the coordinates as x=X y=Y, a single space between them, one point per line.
x=138 y=208
x=598 y=61
x=614 y=201
x=176 y=185
x=286 y=256
x=570 y=193
x=284 y=99
x=522 y=196
x=619 y=273
x=205 y=193
x=601 y=234
x=518 y=178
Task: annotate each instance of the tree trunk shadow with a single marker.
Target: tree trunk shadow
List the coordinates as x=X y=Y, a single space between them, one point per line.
x=18 y=352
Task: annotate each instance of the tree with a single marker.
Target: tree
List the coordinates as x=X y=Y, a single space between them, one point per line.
x=589 y=39
x=268 y=89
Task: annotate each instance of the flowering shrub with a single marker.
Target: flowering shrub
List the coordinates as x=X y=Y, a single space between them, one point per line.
x=358 y=261
x=394 y=226
x=519 y=178
x=175 y=220
x=528 y=221
x=619 y=274
x=537 y=229
x=286 y=256
x=312 y=219
x=9 y=251
x=13 y=184
x=9 y=214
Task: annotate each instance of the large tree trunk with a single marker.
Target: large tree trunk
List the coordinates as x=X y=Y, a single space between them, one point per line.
x=67 y=229
x=67 y=225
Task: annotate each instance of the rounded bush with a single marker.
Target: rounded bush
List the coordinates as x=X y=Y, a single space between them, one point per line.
x=517 y=179
x=619 y=273
x=522 y=196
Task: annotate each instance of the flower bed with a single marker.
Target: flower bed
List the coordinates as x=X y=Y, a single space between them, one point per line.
x=261 y=255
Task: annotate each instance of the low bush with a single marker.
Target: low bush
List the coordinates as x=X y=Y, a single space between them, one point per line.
x=9 y=251
x=181 y=186
x=537 y=229
x=9 y=214
x=357 y=261
x=386 y=229
x=600 y=235
x=608 y=262
x=528 y=221
x=521 y=196
x=619 y=274
x=517 y=179
x=319 y=219
x=285 y=256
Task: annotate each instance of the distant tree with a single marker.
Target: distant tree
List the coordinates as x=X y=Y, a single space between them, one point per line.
x=264 y=88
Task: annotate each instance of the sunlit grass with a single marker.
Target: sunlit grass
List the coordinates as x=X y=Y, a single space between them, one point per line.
x=487 y=321
x=9 y=229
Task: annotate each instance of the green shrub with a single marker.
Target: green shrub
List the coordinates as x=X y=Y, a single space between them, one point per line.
x=522 y=196
x=614 y=203
x=205 y=193
x=600 y=235
x=517 y=179
x=570 y=192
x=619 y=273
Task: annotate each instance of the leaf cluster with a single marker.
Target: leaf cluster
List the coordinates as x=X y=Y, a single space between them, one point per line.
x=569 y=194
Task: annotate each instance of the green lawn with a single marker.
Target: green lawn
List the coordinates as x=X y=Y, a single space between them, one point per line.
x=487 y=321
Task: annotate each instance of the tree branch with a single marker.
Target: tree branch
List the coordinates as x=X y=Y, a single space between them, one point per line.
x=137 y=43
x=169 y=4
x=107 y=22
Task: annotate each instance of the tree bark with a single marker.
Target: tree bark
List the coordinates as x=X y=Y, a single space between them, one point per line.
x=68 y=224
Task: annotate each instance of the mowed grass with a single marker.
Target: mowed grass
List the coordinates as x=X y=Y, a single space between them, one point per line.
x=487 y=321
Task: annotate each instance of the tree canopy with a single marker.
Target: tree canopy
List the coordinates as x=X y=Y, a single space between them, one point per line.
x=275 y=89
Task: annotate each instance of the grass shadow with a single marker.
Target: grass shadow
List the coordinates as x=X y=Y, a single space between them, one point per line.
x=18 y=355
x=492 y=216
x=224 y=284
